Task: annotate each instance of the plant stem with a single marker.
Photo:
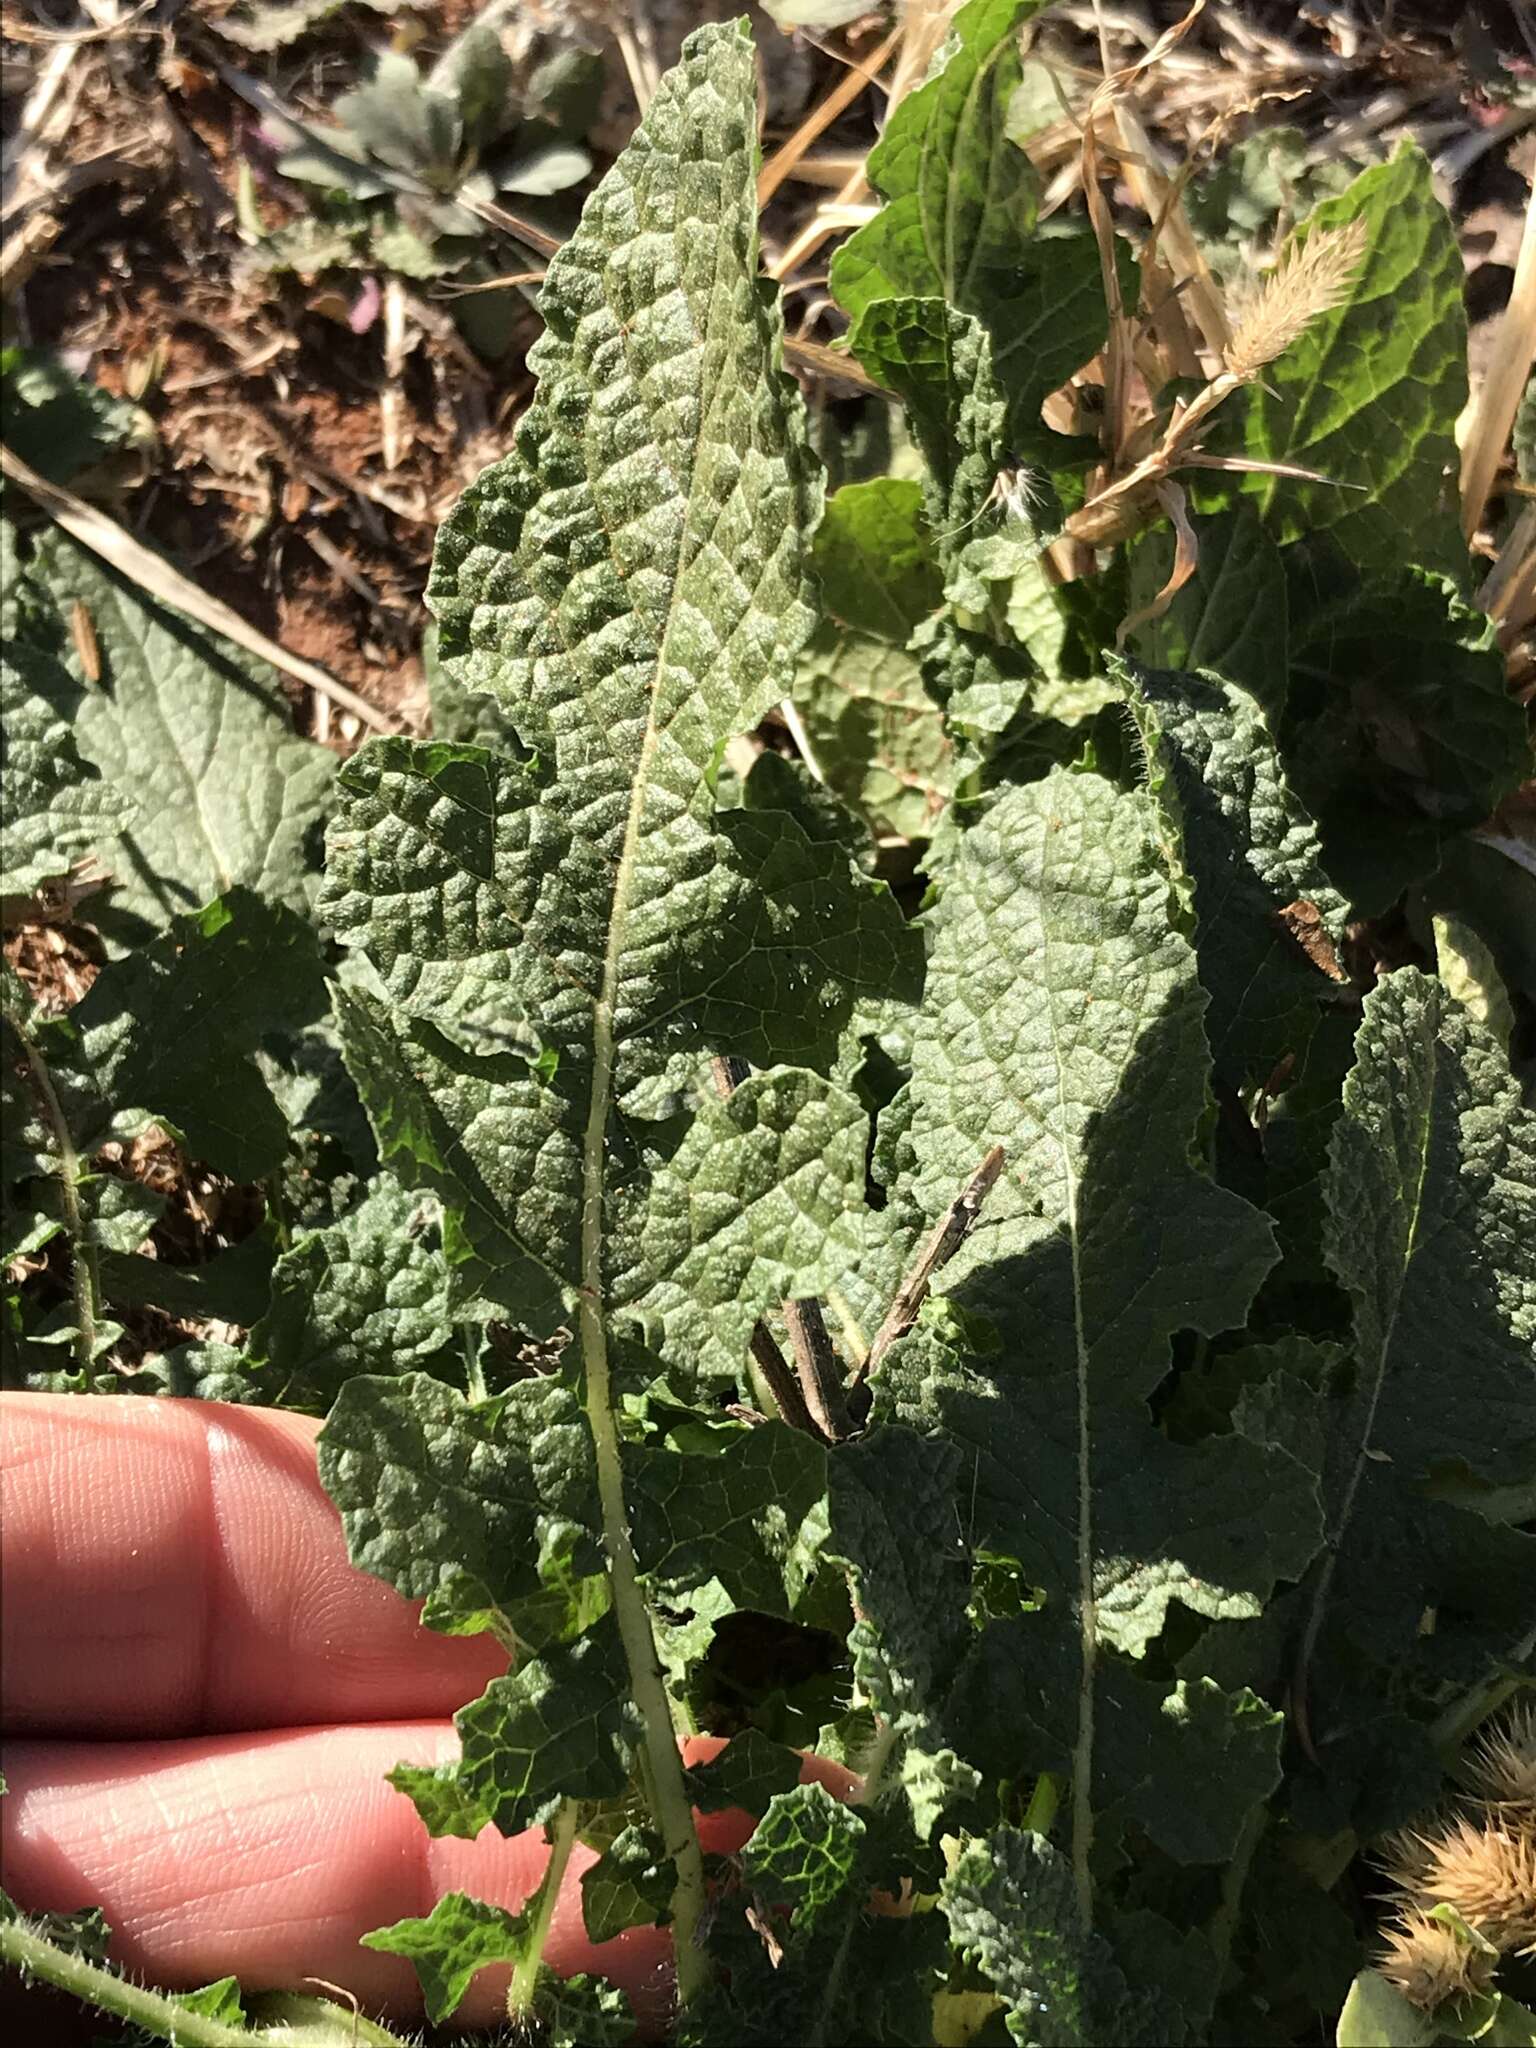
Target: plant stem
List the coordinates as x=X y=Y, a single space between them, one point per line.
x=525 y=1977
x=25 y=1949
x=667 y=1792
x=821 y=1379
x=85 y=1279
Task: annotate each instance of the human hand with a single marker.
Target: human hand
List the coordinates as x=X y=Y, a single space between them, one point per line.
x=201 y=1697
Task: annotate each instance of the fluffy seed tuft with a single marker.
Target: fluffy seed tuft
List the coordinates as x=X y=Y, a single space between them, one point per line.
x=1486 y=1872
x=1503 y=1766
x=1307 y=281
x=1430 y=1962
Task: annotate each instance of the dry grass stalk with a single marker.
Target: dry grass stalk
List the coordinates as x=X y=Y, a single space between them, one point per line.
x=1309 y=280
x=1430 y=1962
x=785 y=159
x=104 y=537
x=1492 y=412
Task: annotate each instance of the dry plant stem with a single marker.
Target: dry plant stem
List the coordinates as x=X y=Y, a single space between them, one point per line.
x=85 y=1279
x=821 y=1378
x=525 y=1975
x=847 y=89
x=104 y=537
x=949 y=1233
x=1161 y=199
x=782 y=1384
x=1494 y=409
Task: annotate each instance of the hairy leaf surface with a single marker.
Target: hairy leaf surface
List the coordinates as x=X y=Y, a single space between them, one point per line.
x=195 y=734
x=1063 y=1021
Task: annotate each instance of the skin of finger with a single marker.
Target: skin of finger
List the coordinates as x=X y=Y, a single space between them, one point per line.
x=267 y=1857
x=174 y=1567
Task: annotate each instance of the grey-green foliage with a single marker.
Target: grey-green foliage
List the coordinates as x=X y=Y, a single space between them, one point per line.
x=194 y=739
x=1429 y=1195
x=54 y=804
x=1063 y=1021
x=562 y=936
x=367 y=1294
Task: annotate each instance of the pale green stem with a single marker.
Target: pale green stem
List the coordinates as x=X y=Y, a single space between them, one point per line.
x=525 y=1977
x=85 y=1277
x=666 y=1789
x=24 y=1948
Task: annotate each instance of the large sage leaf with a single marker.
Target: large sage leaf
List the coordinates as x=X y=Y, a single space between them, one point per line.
x=586 y=928
x=1063 y=1021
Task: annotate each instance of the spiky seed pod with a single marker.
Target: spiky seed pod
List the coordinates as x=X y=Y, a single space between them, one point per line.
x=1429 y=1962
x=1503 y=1766
x=1487 y=1872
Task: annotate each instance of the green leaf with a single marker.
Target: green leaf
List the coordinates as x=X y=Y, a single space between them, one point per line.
x=762 y=1201
x=803 y=1852
x=751 y=1518
x=54 y=804
x=1253 y=853
x=557 y=1728
x=168 y=1031
x=367 y=1295
x=458 y=1938
x=1369 y=394
x=749 y=1772
x=892 y=1515
x=1269 y=928
x=59 y=423
x=1376 y=2015
x=875 y=559
x=875 y=733
x=1013 y=1913
x=629 y=1885
x=1231 y=617
x=435 y=1490
x=1405 y=725
x=195 y=734
x=957 y=226
x=1063 y=1021
x=1432 y=1176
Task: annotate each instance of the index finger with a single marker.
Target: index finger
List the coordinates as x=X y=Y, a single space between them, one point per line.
x=175 y=1568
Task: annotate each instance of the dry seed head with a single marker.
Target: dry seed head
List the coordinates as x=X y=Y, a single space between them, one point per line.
x=1429 y=1962
x=1487 y=1873
x=1503 y=1766
x=1307 y=281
